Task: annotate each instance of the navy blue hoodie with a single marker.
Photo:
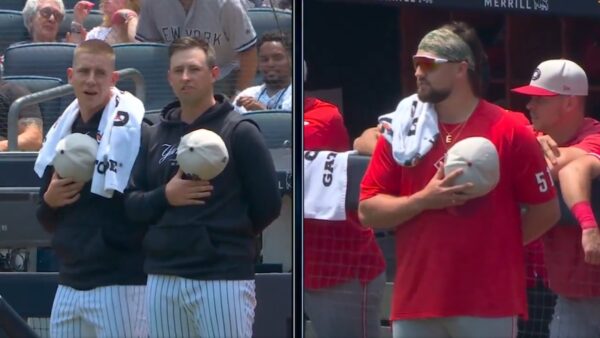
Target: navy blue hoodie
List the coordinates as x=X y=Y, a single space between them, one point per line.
x=216 y=240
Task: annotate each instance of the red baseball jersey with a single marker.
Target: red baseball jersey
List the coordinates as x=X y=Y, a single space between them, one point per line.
x=324 y=126
x=335 y=251
x=534 y=251
x=568 y=273
x=468 y=262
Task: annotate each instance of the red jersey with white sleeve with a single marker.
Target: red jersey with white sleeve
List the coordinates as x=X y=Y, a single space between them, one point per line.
x=335 y=251
x=568 y=273
x=468 y=262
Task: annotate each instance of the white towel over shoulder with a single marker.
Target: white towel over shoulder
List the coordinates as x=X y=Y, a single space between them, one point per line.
x=119 y=135
x=325 y=180
x=411 y=129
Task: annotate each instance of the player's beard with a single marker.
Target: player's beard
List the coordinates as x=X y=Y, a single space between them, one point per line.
x=434 y=95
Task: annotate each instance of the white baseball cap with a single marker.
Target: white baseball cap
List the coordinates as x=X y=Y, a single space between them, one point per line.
x=202 y=153
x=556 y=77
x=76 y=157
x=478 y=158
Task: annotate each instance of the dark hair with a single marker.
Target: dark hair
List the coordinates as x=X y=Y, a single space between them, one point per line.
x=276 y=36
x=479 y=78
x=189 y=42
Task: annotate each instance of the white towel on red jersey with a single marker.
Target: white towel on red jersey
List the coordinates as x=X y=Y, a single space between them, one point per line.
x=325 y=180
x=119 y=135
x=411 y=129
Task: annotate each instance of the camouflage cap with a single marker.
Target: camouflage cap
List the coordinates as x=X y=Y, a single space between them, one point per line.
x=444 y=43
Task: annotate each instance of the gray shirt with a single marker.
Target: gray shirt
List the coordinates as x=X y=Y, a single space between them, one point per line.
x=222 y=23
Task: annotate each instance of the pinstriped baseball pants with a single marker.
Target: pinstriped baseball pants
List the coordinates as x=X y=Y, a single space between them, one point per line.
x=108 y=311
x=181 y=307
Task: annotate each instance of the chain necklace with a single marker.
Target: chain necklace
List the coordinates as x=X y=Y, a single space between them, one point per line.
x=449 y=138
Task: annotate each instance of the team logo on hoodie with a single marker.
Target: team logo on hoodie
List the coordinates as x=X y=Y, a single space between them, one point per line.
x=168 y=153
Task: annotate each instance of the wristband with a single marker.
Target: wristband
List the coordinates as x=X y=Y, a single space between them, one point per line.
x=584 y=215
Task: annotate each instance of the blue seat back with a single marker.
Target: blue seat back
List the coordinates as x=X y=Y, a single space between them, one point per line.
x=12 y=28
x=275 y=125
x=44 y=59
x=267 y=19
x=152 y=60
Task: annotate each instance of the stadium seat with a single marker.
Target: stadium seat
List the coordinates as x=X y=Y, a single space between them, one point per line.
x=45 y=59
x=93 y=19
x=15 y=5
x=12 y=28
x=50 y=109
x=275 y=125
x=152 y=60
x=70 y=4
x=263 y=20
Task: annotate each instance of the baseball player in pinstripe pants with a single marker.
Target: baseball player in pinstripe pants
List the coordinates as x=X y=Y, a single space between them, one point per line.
x=200 y=245
x=101 y=279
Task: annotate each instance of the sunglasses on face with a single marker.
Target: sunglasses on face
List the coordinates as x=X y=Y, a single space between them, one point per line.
x=429 y=64
x=47 y=12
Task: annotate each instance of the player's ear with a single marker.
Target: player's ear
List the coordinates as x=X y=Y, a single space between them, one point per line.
x=215 y=72
x=114 y=78
x=69 y=74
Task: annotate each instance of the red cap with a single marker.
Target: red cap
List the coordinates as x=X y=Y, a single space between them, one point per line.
x=533 y=91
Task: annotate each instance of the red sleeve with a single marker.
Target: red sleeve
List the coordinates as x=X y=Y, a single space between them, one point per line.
x=590 y=144
x=325 y=130
x=382 y=175
x=532 y=179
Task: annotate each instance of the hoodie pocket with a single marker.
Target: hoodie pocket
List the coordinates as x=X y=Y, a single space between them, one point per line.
x=74 y=245
x=181 y=241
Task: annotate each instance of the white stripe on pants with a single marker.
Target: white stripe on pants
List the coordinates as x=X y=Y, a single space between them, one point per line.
x=181 y=307
x=108 y=311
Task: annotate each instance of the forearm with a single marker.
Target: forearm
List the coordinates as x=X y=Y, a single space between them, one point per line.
x=131 y=29
x=539 y=218
x=30 y=140
x=385 y=211
x=145 y=206
x=248 y=64
x=365 y=143
x=575 y=180
x=46 y=215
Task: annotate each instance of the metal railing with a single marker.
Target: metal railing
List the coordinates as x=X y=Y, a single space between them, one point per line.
x=64 y=90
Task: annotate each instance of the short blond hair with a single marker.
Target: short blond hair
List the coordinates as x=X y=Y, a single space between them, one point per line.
x=94 y=46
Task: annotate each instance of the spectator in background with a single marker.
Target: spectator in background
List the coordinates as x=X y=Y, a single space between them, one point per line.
x=225 y=25
x=344 y=268
x=30 y=119
x=42 y=18
x=119 y=21
x=275 y=65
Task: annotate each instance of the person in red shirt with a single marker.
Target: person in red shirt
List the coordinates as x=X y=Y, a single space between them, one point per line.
x=459 y=260
x=344 y=268
x=558 y=90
